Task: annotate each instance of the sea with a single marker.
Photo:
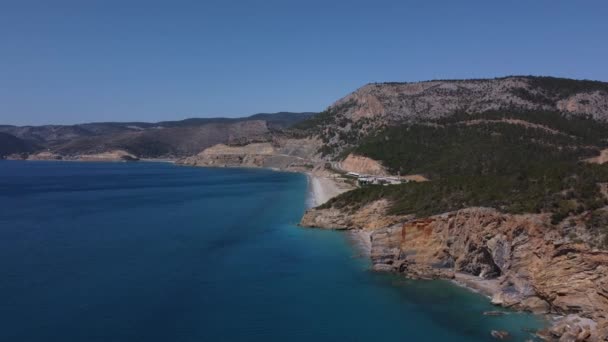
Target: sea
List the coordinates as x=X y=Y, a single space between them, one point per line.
x=158 y=252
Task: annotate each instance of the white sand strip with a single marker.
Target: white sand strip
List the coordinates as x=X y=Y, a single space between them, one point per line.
x=323 y=189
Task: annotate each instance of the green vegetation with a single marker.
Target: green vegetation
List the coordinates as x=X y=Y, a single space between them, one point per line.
x=553 y=89
x=511 y=167
x=10 y=144
x=597 y=223
x=564 y=87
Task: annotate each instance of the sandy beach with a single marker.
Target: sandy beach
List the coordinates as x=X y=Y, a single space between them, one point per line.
x=323 y=189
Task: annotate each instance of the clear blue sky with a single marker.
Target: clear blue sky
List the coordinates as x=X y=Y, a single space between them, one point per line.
x=85 y=60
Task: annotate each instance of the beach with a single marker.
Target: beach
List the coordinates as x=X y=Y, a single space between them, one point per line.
x=323 y=188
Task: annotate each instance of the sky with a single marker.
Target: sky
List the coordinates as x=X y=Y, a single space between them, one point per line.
x=66 y=62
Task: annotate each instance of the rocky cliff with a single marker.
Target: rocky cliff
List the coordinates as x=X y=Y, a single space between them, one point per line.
x=521 y=261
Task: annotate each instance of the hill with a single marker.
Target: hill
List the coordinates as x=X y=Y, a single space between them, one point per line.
x=166 y=139
x=9 y=144
x=514 y=143
x=377 y=106
x=516 y=202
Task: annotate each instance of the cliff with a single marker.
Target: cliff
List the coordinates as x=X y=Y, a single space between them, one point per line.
x=521 y=261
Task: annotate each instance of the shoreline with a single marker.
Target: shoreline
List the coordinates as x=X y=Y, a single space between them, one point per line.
x=322 y=189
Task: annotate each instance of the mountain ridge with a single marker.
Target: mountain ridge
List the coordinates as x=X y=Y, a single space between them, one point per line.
x=165 y=139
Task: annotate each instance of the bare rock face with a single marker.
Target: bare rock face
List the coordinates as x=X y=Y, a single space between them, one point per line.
x=115 y=155
x=370 y=217
x=594 y=104
x=521 y=261
x=533 y=267
x=363 y=165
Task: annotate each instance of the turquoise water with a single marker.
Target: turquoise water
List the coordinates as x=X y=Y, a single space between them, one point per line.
x=154 y=252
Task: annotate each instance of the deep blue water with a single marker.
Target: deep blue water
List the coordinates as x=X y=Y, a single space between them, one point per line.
x=155 y=252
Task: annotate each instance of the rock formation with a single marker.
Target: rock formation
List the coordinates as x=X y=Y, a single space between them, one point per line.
x=521 y=261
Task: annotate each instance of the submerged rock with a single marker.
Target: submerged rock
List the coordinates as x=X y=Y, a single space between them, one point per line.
x=500 y=334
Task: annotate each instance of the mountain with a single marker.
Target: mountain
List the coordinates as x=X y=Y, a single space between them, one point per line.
x=376 y=106
x=514 y=197
x=509 y=143
x=167 y=139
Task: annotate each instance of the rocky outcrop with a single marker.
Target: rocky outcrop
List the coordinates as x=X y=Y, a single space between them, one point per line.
x=534 y=267
x=592 y=103
x=222 y=155
x=370 y=217
x=363 y=165
x=520 y=261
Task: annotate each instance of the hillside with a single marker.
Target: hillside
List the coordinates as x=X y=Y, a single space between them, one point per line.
x=168 y=139
x=516 y=203
x=10 y=144
x=515 y=144
x=376 y=106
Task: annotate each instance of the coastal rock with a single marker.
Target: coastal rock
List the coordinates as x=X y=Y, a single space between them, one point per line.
x=520 y=260
x=371 y=216
x=500 y=334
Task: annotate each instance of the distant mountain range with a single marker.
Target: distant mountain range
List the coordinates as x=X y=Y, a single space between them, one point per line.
x=167 y=139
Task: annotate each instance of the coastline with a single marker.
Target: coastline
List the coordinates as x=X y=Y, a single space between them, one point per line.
x=321 y=189
x=323 y=186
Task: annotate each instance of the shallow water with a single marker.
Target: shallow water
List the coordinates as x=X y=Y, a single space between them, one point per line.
x=156 y=252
